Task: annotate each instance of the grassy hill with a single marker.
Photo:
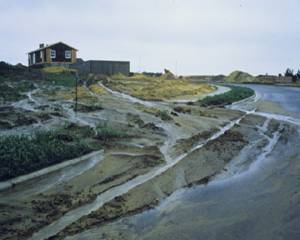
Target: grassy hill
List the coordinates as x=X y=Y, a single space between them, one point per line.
x=240 y=77
x=164 y=87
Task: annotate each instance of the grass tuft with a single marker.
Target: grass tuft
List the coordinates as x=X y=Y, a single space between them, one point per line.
x=23 y=154
x=104 y=132
x=164 y=115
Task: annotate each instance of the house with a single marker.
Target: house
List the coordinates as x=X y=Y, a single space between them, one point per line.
x=54 y=54
x=61 y=54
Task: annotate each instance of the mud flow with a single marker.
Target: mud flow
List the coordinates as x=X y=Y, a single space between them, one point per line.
x=147 y=162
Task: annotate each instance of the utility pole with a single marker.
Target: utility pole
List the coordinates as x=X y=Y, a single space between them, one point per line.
x=76 y=94
x=139 y=65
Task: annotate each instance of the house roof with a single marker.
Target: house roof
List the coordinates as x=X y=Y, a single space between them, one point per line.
x=48 y=46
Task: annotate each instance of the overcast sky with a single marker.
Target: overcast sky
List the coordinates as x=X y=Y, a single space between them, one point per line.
x=185 y=36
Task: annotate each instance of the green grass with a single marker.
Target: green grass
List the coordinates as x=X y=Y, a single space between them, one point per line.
x=23 y=154
x=8 y=93
x=14 y=91
x=23 y=86
x=89 y=107
x=234 y=95
x=105 y=133
x=63 y=79
x=3 y=78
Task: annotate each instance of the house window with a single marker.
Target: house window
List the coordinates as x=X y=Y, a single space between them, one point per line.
x=53 y=53
x=68 y=54
x=33 y=58
x=41 y=55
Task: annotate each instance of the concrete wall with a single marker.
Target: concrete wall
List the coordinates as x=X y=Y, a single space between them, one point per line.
x=102 y=67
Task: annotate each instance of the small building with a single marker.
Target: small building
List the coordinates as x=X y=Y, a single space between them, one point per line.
x=102 y=67
x=54 y=54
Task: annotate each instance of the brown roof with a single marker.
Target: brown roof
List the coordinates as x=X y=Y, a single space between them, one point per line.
x=48 y=46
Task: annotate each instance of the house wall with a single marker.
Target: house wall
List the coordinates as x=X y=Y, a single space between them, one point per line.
x=60 y=53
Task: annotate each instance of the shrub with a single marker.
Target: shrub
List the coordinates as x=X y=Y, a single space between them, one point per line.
x=164 y=115
x=234 y=95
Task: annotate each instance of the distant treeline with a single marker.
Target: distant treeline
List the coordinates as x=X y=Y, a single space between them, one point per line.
x=290 y=73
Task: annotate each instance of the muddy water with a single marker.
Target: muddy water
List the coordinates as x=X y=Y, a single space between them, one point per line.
x=43 y=183
x=287 y=97
x=74 y=215
x=262 y=202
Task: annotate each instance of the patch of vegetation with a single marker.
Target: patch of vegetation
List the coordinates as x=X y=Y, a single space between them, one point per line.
x=164 y=115
x=3 y=78
x=24 y=86
x=67 y=79
x=23 y=154
x=8 y=93
x=182 y=109
x=58 y=69
x=83 y=95
x=95 y=88
x=134 y=119
x=14 y=91
x=164 y=87
x=89 y=107
x=78 y=132
x=11 y=117
x=234 y=95
x=6 y=68
x=104 y=132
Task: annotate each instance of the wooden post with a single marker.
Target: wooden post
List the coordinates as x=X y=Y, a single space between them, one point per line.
x=76 y=94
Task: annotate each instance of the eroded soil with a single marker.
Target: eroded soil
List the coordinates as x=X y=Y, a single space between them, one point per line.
x=169 y=146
